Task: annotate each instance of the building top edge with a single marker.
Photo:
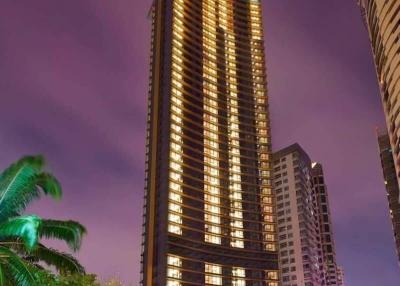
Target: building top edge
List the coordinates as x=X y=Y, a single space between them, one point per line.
x=291 y=149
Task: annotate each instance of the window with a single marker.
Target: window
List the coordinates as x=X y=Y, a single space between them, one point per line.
x=272 y=275
x=213 y=274
x=174 y=273
x=285 y=278
x=238 y=276
x=173 y=270
x=174 y=261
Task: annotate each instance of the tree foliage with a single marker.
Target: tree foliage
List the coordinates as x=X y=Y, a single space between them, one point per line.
x=22 y=255
x=48 y=279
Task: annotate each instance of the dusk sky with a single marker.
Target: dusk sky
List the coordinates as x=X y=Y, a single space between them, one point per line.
x=74 y=83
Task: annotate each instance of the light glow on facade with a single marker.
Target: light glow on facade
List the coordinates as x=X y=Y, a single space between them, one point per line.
x=209 y=206
x=212 y=193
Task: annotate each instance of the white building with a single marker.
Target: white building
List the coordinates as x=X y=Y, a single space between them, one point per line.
x=307 y=250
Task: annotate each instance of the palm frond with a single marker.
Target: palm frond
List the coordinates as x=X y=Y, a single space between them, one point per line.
x=69 y=231
x=16 y=178
x=50 y=185
x=2 y=278
x=20 y=272
x=25 y=228
x=63 y=262
x=19 y=185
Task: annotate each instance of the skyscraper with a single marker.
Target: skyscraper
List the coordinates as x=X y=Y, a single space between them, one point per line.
x=209 y=212
x=306 y=243
x=298 y=224
x=340 y=276
x=383 y=22
x=392 y=188
x=327 y=241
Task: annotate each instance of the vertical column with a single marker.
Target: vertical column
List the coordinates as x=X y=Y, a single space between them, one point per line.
x=176 y=160
x=212 y=192
x=213 y=274
x=262 y=125
x=174 y=275
x=225 y=13
x=238 y=276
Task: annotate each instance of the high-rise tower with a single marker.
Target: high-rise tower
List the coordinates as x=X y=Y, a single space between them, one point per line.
x=298 y=223
x=209 y=212
x=327 y=240
x=383 y=22
x=305 y=235
x=392 y=188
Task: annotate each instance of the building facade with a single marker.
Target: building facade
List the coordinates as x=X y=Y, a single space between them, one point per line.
x=209 y=214
x=328 y=252
x=392 y=188
x=298 y=224
x=340 y=276
x=383 y=22
x=306 y=243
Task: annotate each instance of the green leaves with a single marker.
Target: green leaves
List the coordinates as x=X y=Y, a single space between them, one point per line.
x=30 y=228
x=20 y=272
x=22 y=257
x=21 y=183
x=2 y=279
x=69 y=231
x=24 y=227
x=50 y=185
x=63 y=262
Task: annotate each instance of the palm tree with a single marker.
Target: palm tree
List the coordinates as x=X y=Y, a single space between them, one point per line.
x=22 y=255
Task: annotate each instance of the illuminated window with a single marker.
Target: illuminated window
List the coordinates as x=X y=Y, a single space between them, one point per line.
x=174 y=229
x=176 y=160
x=272 y=275
x=210 y=124
x=174 y=273
x=174 y=261
x=175 y=208
x=213 y=274
x=238 y=276
x=173 y=270
x=173 y=283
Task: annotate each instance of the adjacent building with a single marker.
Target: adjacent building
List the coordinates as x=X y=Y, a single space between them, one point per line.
x=392 y=187
x=327 y=241
x=209 y=216
x=298 y=225
x=340 y=276
x=382 y=19
x=306 y=244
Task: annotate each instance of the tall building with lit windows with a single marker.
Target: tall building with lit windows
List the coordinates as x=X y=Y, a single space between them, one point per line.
x=382 y=19
x=209 y=214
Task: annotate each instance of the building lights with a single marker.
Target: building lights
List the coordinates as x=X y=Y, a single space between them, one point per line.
x=211 y=139
x=213 y=274
x=209 y=110
x=175 y=188
x=173 y=272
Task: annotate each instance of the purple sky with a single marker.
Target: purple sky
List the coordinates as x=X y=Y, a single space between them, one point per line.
x=73 y=85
